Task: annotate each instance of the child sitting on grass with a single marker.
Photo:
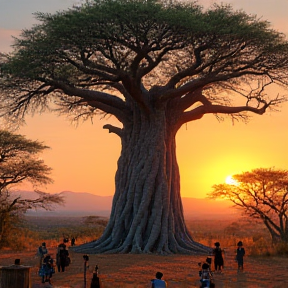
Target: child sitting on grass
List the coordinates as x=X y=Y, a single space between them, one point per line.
x=158 y=282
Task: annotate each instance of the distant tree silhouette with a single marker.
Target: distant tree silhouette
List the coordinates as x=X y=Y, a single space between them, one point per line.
x=153 y=66
x=19 y=162
x=260 y=194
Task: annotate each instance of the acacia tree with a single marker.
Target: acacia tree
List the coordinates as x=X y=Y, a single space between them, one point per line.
x=260 y=194
x=18 y=163
x=154 y=66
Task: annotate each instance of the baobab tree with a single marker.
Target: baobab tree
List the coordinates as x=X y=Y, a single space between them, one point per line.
x=154 y=66
x=260 y=194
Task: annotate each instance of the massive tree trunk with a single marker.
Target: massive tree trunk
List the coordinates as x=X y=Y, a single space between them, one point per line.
x=147 y=213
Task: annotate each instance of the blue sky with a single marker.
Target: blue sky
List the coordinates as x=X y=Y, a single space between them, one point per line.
x=17 y=14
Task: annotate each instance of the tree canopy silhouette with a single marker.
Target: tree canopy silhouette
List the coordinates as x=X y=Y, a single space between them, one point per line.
x=154 y=66
x=261 y=194
x=19 y=163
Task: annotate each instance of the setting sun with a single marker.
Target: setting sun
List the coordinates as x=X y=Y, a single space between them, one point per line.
x=230 y=180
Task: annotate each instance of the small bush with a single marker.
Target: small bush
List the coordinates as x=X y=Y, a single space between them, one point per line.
x=281 y=249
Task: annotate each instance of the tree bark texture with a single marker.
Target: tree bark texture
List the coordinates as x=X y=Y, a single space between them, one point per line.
x=147 y=213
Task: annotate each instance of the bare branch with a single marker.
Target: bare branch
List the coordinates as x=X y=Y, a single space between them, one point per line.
x=113 y=129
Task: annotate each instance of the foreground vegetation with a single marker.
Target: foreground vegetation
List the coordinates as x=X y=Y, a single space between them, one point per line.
x=36 y=229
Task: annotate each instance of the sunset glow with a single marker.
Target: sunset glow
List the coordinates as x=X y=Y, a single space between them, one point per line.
x=230 y=180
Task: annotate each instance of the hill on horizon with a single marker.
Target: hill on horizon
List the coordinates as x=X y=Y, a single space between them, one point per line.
x=83 y=203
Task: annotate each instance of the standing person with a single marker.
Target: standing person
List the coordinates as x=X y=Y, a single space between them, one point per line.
x=95 y=282
x=218 y=257
x=240 y=252
x=158 y=282
x=41 y=252
x=47 y=269
x=73 y=241
x=62 y=257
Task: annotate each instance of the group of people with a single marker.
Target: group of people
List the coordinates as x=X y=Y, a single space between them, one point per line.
x=47 y=264
x=219 y=260
x=205 y=273
x=206 y=277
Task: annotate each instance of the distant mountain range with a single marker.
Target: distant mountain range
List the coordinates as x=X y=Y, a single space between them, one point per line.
x=86 y=204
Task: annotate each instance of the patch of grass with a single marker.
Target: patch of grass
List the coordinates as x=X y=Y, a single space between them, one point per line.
x=52 y=230
x=35 y=230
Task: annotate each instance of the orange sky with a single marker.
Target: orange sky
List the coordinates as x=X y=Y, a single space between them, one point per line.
x=84 y=158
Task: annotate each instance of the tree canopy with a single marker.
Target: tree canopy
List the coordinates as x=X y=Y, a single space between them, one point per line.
x=154 y=66
x=143 y=50
x=19 y=163
x=260 y=194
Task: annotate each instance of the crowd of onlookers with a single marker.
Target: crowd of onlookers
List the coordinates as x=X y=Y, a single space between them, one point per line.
x=46 y=262
x=205 y=273
x=47 y=265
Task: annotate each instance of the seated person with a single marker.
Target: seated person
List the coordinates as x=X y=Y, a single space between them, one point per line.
x=158 y=282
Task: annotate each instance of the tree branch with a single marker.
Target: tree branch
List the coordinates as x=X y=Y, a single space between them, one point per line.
x=199 y=112
x=113 y=129
x=97 y=69
x=104 y=101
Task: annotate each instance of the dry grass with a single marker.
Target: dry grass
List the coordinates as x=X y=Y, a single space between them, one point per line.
x=135 y=271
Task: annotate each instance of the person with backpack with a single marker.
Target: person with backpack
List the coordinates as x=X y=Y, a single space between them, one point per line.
x=62 y=258
x=218 y=258
x=158 y=282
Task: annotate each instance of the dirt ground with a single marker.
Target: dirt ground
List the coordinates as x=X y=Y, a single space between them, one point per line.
x=136 y=271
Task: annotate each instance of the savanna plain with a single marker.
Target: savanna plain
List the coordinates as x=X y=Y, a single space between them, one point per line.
x=265 y=266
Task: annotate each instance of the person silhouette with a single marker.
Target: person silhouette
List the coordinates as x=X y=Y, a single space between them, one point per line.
x=218 y=257
x=240 y=252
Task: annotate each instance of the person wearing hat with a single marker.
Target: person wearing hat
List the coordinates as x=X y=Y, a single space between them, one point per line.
x=218 y=257
x=240 y=252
